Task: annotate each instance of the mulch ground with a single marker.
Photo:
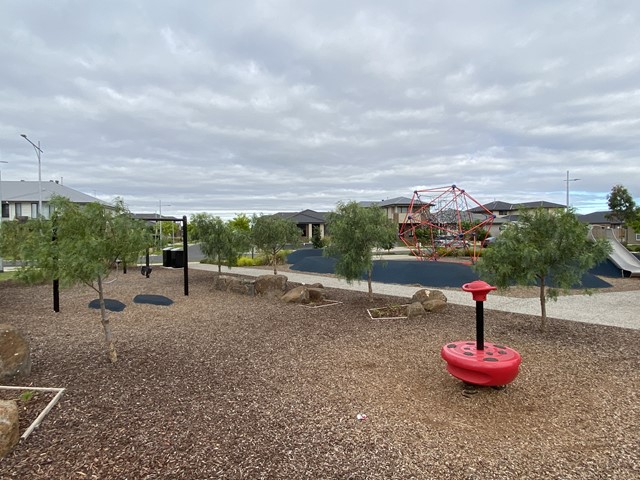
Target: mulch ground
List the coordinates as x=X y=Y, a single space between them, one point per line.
x=219 y=385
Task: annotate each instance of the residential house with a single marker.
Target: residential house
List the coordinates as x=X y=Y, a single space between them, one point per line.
x=606 y=219
x=20 y=199
x=307 y=221
x=506 y=213
x=396 y=208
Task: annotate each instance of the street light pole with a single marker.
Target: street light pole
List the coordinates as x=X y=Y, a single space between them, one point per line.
x=569 y=180
x=38 y=154
x=1 y=161
x=160 y=222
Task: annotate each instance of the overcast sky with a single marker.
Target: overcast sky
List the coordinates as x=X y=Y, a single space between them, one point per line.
x=264 y=106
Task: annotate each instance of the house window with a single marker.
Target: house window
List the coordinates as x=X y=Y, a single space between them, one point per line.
x=18 y=209
x=34 y=210
x=637 y=237
x=5 y=210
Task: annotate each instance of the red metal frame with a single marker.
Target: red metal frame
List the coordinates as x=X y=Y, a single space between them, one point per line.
x=440 y=211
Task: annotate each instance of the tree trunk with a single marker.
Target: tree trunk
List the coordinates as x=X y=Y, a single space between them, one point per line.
x=275 y=261
x=543 y=305
x=369 y=275
x=108 y=337
x=219 y=264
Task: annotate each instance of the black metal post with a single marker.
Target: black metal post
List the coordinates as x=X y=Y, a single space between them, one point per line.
x=479 y=325
x=56 y=283
x=185 y=247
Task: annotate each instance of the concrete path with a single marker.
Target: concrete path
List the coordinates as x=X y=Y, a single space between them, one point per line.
x=619 y=309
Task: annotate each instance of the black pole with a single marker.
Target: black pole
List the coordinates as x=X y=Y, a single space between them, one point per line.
x=56 y=283
x=185 y=247
x=479 y=325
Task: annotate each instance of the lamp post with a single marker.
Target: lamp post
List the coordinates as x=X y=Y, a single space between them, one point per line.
x=160 y=222
x=1 y=161
x=569 y=180
x=38 y=154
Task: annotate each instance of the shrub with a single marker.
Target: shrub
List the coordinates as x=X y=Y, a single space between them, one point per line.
x=246 y=262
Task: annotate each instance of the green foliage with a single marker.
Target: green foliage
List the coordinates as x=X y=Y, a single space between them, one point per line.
x=79 y=244
x=355 y=232
x=271 y=233
x=218 y=240
x=316 y=238
x=543 y=246
x=621 y=204
x=241 y=223
x=246 y=262
x=27 y=395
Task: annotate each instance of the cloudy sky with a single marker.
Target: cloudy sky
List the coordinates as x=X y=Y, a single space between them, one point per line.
x=270 y=105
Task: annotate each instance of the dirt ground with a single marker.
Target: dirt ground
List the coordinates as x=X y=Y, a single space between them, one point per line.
x=219 y=385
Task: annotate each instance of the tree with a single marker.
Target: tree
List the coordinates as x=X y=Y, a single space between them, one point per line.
x=192 y=229
x=355 y=232
x=271 y=233
x=316 y=238
x=218 y=240
x=81 y=244
x=542 y=248
x=623 y=207
x=621 y=204
x=241 y=225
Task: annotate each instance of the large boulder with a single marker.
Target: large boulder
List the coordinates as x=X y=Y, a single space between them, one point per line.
x=425 y=295
x=228 y=283
x=431 y=300
x=415 y=310
x=316 y=294
x=297 y=295
x=15 y=354
x=9 y=428
x=270 y=285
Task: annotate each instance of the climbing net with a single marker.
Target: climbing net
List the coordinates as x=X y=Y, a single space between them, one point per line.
x=445 y=221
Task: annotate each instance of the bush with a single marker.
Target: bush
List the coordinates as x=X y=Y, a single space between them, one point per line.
x=246 y=262
x=265 y=258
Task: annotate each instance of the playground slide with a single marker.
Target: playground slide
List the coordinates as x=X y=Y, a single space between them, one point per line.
x=621 y=257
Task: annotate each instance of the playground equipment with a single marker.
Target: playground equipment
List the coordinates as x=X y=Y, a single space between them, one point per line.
x=480 y=363
x=440 y=221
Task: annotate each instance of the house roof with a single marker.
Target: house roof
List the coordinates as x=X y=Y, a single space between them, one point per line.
x=305 y=216
x=504 y=206
x=390 y=202
x=150 y=217
x=27 y=191
x=599 y=218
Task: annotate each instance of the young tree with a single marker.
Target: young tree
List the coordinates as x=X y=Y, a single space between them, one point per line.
x=271 y=233
x=542 y=247
x=218 y=240
x=81 y=244
x=316 y=238
x=355 y=232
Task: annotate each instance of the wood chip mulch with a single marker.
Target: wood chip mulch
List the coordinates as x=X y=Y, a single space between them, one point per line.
x=220 y=385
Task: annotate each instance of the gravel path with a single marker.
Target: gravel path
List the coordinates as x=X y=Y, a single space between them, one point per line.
x=224 y=386
x=618 y=308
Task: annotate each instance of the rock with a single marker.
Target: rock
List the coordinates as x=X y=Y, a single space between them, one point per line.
x=297 y=295
x=227 y=283
x=9 y=429
x=425 y=295
x=15 y=354
x=415 y=310
x=271 y=285
x=434 y=306
x=317 y=294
